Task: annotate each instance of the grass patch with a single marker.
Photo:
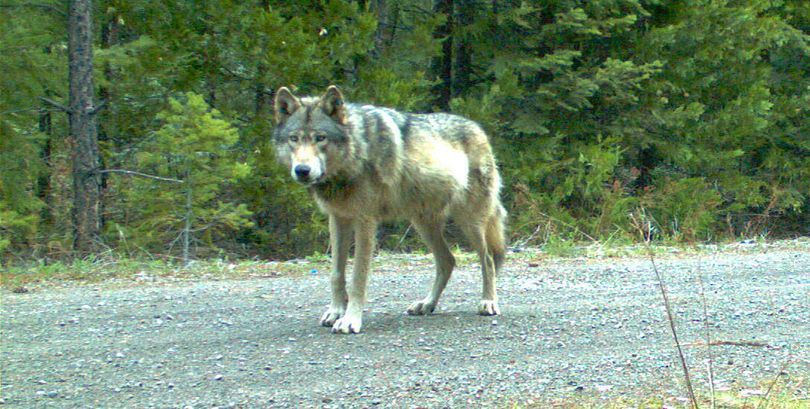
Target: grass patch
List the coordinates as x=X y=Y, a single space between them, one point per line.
x=94 y=270
x=109 y=268
x=784 y=393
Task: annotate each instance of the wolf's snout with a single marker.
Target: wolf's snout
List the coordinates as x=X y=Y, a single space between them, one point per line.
x=302 y=172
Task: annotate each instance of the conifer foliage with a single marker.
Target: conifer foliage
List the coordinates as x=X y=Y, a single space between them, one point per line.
x=696 y=111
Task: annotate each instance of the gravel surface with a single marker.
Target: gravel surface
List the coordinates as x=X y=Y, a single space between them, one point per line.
x=570 y=329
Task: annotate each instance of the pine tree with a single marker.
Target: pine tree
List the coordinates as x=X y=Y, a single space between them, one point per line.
x=192 y=153
x=31 y=66
x=730 y=118
x=82 y=112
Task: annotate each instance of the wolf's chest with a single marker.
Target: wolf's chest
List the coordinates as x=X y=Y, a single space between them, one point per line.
x=416 y=194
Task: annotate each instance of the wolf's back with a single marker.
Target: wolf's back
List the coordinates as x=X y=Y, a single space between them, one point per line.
x=370 y=122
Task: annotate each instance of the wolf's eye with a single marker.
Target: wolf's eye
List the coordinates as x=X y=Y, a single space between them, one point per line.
x=293 y=138
x=320 y=138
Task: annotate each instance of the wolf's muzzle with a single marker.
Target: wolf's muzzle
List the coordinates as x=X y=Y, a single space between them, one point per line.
x=302 y=172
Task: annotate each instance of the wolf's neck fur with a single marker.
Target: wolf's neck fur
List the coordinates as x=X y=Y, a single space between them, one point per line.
x=335 y=188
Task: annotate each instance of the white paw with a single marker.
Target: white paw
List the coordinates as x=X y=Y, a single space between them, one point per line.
x=331 y=315
x=348 y=324
x=423 y=307
x=488 y=307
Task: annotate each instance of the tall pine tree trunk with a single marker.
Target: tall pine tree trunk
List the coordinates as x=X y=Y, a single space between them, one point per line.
x=109 y=38
x=462 y=78
x=442 y=66
x=260 y=96
x=44 y=179
x=188 y=221
x=83 y=128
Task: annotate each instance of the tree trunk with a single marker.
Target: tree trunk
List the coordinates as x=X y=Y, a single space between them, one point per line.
x=442 y=65
x=109 y=37
x=260 y=96
x=44 y=179
x=210 y=57
x=463 y=70
x=393 y=25
x=83 y=128
x=188 y=222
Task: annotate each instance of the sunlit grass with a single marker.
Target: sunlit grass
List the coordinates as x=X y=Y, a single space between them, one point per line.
x=788 y=393
x=109 y=268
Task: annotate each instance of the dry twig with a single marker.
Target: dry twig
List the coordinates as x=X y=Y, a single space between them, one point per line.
x=639 y=225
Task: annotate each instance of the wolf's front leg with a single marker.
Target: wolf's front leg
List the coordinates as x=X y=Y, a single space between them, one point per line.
x=340 y=236
x=352 y=321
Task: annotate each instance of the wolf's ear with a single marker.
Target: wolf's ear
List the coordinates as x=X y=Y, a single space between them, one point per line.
x=334 y=105
x=286 y=103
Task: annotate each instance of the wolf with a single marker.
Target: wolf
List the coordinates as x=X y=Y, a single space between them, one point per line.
x=365 y=164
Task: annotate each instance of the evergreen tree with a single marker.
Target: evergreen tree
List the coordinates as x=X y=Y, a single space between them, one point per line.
x=82 y=112
x=695 y=110
x=32 y=68
x=729 y=128
x=191 y=153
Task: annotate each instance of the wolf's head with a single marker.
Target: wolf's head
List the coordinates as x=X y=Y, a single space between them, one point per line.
x=311 y=135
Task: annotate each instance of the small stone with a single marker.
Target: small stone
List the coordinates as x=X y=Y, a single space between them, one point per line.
x=218 y=377
x=747 y=393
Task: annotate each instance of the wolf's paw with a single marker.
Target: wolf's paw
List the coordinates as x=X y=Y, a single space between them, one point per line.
x=331 y=315
x=348 y=324
x=423 y=307
x=488 y=307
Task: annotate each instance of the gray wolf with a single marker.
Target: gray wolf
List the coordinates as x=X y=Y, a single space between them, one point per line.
x=365 y=164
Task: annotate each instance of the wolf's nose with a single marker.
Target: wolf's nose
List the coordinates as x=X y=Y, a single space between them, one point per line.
x=302 y=171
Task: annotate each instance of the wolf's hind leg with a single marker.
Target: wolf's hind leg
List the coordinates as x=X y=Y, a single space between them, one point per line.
x=477 y=235
x=340 y=235
x=432 y=233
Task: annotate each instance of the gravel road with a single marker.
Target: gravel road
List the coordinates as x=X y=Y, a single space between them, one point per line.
x=570 y=329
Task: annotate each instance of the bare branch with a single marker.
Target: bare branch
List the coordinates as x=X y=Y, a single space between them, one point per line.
x=755 y=344
x=671 y=319
x=143 y=175
x=98 y=107
x=45 y=7
x=34 y=109
x=770 y=387
x=644 y=227
x=707 y=327
x=54 y=104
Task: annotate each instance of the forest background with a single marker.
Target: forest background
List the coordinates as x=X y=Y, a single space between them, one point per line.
x=692 y=114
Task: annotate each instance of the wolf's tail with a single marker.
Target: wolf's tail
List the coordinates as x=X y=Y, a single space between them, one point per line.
x=496 y=236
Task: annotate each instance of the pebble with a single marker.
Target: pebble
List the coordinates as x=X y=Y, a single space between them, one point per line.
x=547 y=340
